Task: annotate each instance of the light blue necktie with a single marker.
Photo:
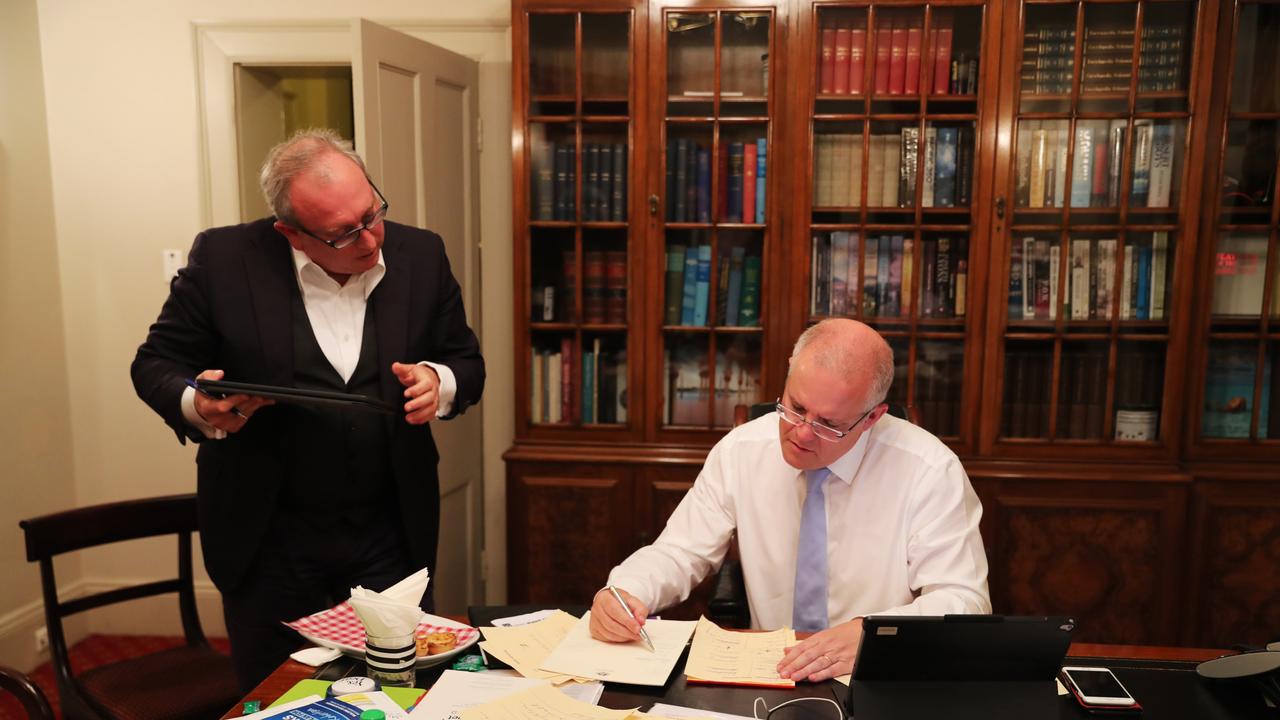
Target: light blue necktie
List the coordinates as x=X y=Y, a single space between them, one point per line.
x=809 y=612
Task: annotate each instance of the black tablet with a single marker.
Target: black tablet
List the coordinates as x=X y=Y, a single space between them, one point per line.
x=299 y=396
x=962 y=647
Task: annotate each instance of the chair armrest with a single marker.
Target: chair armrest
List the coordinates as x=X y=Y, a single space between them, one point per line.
x=728 y=606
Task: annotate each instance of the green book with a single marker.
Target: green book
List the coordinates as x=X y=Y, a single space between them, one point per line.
x=749 y=312
x=675 y=284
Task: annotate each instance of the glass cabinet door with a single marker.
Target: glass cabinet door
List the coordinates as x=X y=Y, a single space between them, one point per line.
x=716 y=129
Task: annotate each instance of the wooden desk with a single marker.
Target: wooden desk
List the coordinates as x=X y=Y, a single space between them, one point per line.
x=289 y=673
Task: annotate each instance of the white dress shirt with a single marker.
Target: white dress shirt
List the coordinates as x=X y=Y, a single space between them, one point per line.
x=336 y=313
x=902 y=528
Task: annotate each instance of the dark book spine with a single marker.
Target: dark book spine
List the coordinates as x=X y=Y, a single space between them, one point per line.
x=964 y=166
x=593 y=287
x=618 y=205
x=615 y=273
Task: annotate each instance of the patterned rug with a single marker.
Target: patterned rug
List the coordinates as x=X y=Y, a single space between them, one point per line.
x=91 y=652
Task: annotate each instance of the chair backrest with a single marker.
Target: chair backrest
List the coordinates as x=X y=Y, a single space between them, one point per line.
x=80 y=528
x=27 y=692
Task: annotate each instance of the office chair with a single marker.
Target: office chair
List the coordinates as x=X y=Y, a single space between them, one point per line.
x=27 y=692
x=728 y=606
x=192 y=681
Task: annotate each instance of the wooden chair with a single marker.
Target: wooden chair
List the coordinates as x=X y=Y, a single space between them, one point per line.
x=27 y=692
x=192 y=681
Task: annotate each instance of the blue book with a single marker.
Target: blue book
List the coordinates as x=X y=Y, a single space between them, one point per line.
x=703 y=287
x=704 y=186
x=735 y=182
x=689 y=295
x=735 y=285
x=618 y=189
x=682 y=212
x=671 y=180
x=1142 y=276
x=761 y=167
x=944 y=183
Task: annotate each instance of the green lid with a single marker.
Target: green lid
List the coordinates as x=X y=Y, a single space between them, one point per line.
x=373 y=715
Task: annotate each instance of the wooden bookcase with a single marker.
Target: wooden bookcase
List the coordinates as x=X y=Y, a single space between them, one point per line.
x=1060 y=214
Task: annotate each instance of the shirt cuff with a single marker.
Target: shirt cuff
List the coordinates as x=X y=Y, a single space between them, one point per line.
x=448 y=388
x=195 y=420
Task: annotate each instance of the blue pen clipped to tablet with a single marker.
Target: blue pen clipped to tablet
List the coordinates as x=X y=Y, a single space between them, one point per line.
x=195 y=386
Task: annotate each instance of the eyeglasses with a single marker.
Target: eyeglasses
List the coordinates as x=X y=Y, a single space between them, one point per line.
x=345 y=239
x=823 y=432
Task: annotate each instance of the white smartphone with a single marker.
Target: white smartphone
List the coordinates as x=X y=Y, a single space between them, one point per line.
x=1096 y=686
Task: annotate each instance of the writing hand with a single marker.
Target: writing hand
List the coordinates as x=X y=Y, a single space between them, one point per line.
x=422 y=388
x=823 y=655
x=610 y=622
x=228 y=413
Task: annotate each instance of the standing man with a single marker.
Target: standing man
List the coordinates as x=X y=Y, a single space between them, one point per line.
x=840 y=510
x=298 y=504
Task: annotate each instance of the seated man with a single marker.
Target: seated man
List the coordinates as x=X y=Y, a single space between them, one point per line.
x=841 y=511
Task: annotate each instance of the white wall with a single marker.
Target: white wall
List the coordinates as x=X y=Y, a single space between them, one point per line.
x=35 y=424
x=123 y=149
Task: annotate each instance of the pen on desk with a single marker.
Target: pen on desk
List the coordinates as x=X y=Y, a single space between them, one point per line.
x=195 y=386
x=643 y=635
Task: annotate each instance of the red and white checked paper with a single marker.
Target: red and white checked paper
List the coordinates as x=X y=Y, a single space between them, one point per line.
x=341 y=625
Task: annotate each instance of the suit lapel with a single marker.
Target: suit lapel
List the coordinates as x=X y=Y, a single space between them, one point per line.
x=391 y=316
x=271 y=280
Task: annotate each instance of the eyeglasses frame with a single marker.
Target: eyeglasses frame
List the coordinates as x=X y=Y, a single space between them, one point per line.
x=785 y=413
x=349 y=237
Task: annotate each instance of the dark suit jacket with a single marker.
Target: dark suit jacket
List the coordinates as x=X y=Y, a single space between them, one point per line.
x=230 y=309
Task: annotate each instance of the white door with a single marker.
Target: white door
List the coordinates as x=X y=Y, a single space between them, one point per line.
x=416 y=119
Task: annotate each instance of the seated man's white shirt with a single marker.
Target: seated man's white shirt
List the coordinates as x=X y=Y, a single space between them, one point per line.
x=902 y=528
x=336 y=315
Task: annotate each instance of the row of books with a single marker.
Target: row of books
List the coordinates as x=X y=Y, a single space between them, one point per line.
x=1082 y=394
x=689 y=385
x=1048 y=59
x=887 y=269
x=842 y=61
x=604 y=289
x=1091 y=279
x=557 y=396
x=1095 y=164
x=893 y=168
x=743 y=171
x=604 y=181
x=1228 y=394
x=689 y=284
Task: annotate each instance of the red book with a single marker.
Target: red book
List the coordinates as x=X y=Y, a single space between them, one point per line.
x=942 y=63
x=827 y=63
x=615 y=287
x=1100 y=175
x=841 y=82
x=884 y=39
x=898 y=61
x=593 y=284
x=913 y=61
x=749 y=155
x=857 y=59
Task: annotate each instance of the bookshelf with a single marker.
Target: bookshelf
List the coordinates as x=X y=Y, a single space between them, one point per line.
x=1060 y=214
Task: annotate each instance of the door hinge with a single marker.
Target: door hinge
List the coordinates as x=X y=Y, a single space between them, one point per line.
x=479 y=134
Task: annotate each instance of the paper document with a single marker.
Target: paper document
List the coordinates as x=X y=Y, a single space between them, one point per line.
x=540 y=703
x=456 y=691
x=526 y=646
x=738 y=658
x=632 y=663
x=525 y=619
x=676 y=711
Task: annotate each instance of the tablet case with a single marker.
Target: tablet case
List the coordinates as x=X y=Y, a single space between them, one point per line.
x=300 y=396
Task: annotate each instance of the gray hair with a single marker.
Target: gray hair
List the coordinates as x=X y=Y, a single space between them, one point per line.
x=299 y=153
x=835 y=345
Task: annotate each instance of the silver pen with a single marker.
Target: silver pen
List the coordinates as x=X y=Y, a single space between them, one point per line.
x=643 y=635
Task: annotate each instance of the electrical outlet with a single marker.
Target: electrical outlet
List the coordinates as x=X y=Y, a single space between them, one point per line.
x=42 y=639
x=173 y=262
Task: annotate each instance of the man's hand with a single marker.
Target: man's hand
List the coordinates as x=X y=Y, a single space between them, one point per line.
x=422 y=388
x=823 y=655
x=609 y=622
x=229 y=413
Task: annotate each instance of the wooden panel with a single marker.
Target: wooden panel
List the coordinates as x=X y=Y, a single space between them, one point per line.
x=1236 y=588
x=1103 y=552
x=567 y=527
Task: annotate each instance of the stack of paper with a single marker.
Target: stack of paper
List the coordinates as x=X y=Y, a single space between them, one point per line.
x=456 y=691
x=547 y=703
x=738 y=658
x=526 y=646
x=581 y=655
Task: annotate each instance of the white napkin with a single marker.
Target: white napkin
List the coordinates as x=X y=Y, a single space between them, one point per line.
x=393 y=611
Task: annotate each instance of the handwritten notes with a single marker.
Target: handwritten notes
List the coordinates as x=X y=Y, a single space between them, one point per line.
x=738 y=658
x=524 y=647
x=582 y=655
x=541 y=703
